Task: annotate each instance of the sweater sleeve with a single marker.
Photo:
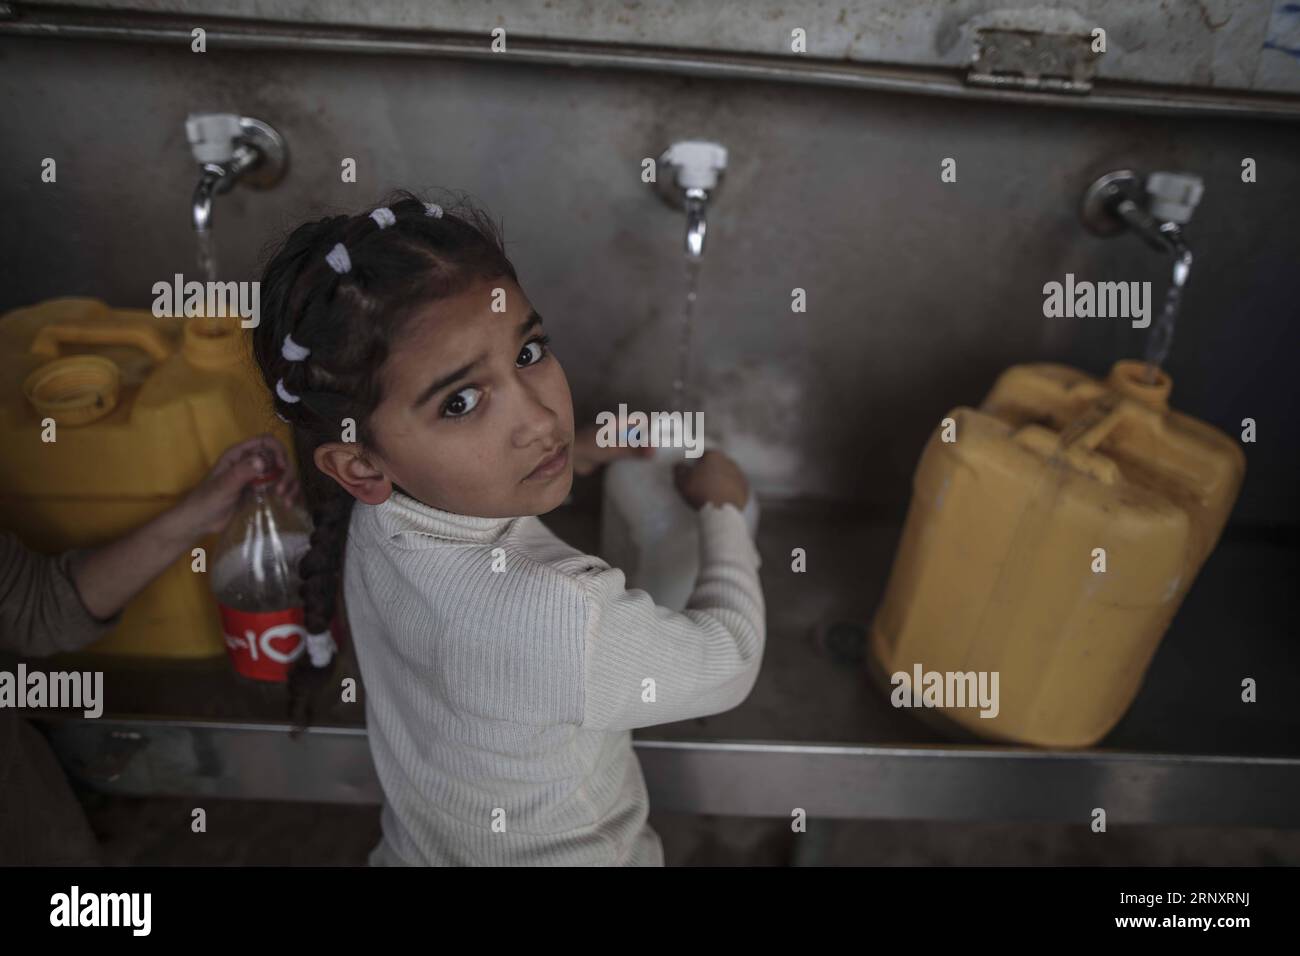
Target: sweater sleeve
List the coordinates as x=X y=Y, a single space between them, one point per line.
x=702 y=660
x=41 y=611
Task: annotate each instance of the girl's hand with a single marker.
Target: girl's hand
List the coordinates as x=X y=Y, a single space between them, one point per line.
x=588 y=456
x=715 y=478
x=210 y=506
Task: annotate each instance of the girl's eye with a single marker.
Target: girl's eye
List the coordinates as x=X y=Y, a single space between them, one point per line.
x=457 y=407
x=456 y=401
x=542 y=342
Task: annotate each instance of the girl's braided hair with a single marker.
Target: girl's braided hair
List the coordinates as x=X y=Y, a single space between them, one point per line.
x=335 y=297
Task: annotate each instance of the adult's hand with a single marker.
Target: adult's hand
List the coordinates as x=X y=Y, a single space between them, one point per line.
x=111 y=575
x=210 y=506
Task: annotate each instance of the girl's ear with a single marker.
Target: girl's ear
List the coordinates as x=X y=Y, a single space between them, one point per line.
x=353 y=471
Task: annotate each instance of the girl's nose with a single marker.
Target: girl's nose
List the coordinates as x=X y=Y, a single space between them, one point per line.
x=536 y=417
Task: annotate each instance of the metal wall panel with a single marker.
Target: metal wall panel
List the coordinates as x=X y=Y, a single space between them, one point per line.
x=919 y=292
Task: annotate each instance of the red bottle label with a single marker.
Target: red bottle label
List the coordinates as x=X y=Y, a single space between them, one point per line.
x=263 y=645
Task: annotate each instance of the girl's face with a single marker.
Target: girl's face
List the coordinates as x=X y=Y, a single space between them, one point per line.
x=474 y=403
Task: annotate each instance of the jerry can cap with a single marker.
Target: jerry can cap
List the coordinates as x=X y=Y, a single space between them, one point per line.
x=75 y=390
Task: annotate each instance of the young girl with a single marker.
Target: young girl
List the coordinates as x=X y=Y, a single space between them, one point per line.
x=504 y=670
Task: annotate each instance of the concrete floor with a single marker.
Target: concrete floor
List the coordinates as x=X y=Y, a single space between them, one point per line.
x=156 y=832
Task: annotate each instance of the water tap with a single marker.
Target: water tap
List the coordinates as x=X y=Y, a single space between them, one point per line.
x=1156 y=210
x=230 y=148
x=697 y=167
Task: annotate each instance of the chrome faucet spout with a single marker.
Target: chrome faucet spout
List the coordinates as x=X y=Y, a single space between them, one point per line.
x=693 y=175
x=1148 y=228
x=201 y=207
x=231 y=149
x=1164 y=237
x=218 y=178
x=1182 y=254
x=696 y=202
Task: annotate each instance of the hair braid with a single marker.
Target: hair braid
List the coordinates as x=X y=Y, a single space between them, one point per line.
x=321 y=572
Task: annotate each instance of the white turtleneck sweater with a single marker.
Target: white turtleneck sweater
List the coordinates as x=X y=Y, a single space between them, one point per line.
x=504 y=671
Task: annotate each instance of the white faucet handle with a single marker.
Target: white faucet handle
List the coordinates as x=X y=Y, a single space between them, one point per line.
x=698 y=162
x=1173 y=196
x=213 y=136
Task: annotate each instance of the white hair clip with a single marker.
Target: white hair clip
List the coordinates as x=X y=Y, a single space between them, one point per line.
x=339 y=259
x=282 y=418
x=321 y=647
x=284 y=392
x=383 y=217
x=293 y=351
x=433 y=209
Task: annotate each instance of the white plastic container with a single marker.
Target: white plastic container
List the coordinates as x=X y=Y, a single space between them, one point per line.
x=649 y=531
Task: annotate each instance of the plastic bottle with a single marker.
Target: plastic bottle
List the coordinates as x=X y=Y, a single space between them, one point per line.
x=649 y=531
x=256 y=582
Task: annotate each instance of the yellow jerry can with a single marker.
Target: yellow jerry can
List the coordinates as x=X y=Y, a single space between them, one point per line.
x=1051 y=537
x=108 y=417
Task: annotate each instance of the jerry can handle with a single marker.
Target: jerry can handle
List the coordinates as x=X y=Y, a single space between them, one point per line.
x=1099 y=421
x=1077 y=444
x=147 y=339
x=1046 y=443
x=1125 y=396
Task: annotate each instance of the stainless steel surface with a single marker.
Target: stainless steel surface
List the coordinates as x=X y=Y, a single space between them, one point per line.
x=248 y=761
x=729 y=778
x=815 y=732
x=968 y=784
